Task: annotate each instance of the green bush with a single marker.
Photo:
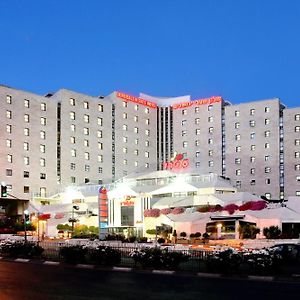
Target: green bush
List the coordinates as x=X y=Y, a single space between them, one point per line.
x=272 y=232
x=103 y=255
x=248 y=231
x=73 y=254
x=22 y=249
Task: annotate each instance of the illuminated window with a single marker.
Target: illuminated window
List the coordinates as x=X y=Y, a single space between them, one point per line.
x=136 y=107
x=72 y=139
x=125 y=139
x=237 y=137
x=297 y=117
x=26 y=103
x=297 y=129
x=252 y=159
x=184 y=144
x=136 y=130
x=124 y=150
x=146 y=110
x=26 y=131
x=86 y=143
x=43 y=106
x=147 y=154
x=210 y=129
x=136 y=163
x=100 y=121
x=297 y=154
x=252 y=171
x=8 y=143
x=183 y=122
x=42 y=148
x=8 y=99
x=198 y=131
x=297 y=142
x=210 y=163
x=85 y=105
x=73 y=127
x=237 y=113
x=43 y=121
x=184 y=112
x=9 y=158
x=252 y=147
x=125 y=104
x=252 y=111
x=267 y=109
x=100 y=146
x=210 y=107
x=238 y=172
x=86 y=155
x=237 y=125
x=197 y=109
x=72 y=101
x=267 y=133
x=26 y=118
x=267 y=121
x=147 y=121
x=252 y=135
x=136 y=118
x=72 y=115
x=237 y=161
x=210 y=119
x=136 y=141
x=99 y=133
x=147 y=132
x=238 y=149
x=197 y=121
x=8 y=114
x=26 y=160
x=100 y=107
x=86 y=118
x=73 y=152
x=267 y=169
x=26 y=146
x=86 y=131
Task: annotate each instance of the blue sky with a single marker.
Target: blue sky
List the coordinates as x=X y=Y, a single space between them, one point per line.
x=238 y=49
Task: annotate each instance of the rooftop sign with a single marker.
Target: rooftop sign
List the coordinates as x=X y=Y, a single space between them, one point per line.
x=141 y=101
x=177 y=163
x=210 y=100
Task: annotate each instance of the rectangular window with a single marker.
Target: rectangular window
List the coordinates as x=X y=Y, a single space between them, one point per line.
x=26 y=146
x=136 y=118
x=252 y=135
x=42 y=148
x=238 y=172
x=136 y=163
x=42 y=135
x=237 y=137
x=9 y=158
x=73 y=127
x=8 y=143
x=43 y=106
x=252 y=147
x=147 y=143
x=136 y=107
x=237 y=113
x=297 y=167
x=43 y=121
x=100 y=107
x=8 y=172
x=26 y=160
x=125 y=104
x=86 y=131
x=136 y=152
x=297 y=142
x=237 y=161
x=147 y=132
x=100 y=170
x=267 y=133
x=210 y=141
x=252 y=171
x=73 y=179
x=185 y=144
x=147 y=110
x=238 y=149
x=100 y=121
x=297 y=154
x=86 y=155
x=252 y=123
x=8 y=114
x=252 y=112
x=8 y=128
x=197 y=121
x=297 y=117
x=72 y=115
x=210 y=130
x=236 y=125
x=124 y=127
x=197 y=154
x=197 y=131
x=42 y=162
x=99 y=133
x=42 y=176
x=267 y=109
x=252 y=182
x=252 y=159
x=86 y=118
x=267 y=181
x=26 y=131
x=183 y=122
x=100 y=158
x=26 y=103
x=8 y=99
x=73 y=152
x=184 y=112
x=267 y=169
x=210 y=107
x=125 y=150
x=267 y=121
x=100 y=146
x=197 y=143
x=210 y=119
x=136 y=130
x=86 y=105
x=297 y=129
x=147 y=154
x=87 y=168
x=86 y=143
x=147 y=121
x=267 y=145
x=210 y=163
x=125 y=162
x=72 y=140
x=72 y=101
x=210 y=152
x=73 y=166
x=267 y=157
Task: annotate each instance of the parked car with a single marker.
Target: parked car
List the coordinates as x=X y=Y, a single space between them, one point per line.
x=289 y=252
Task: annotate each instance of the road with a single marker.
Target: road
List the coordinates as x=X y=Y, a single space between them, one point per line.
x=36 y=281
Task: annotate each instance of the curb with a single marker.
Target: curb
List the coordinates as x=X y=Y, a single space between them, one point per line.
x=292 y=278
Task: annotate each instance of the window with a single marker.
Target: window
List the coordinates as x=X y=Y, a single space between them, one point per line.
x=42 y=134
x=147 y=132
x=136 y=163
x=26 y=146
x=267 y=145
x=210 y=152
x=9 y=158
x=73 y=152
x=236 y=125
x=252 y=123
x=197 y=164
x=136 y=141
x=237 y=137
x=267 y=121
x=252 y=111
x=73 y=127
x=86 y=143
x=237 y=113
x=267 y=109
x=8 y=114
x=42 y=176
x=86 y=155
x=210 y=130
x=183 y=133
x=146 y=165
x=8 y=172
x=86 y=118
x=147 y=110
x=147 y=143
x=297 y=117
x=238 y=149
x=124 y=161
x=43 y=106
x=136 y=152
x=297 y=193
x=147 y=121
x=100 y=107
x=297 y=129
x=210 y=119
x=135 y=118
x=238 y=184
x=183 y=122
x=100 y=121
x=147 y=154
x=87 y=168
x=100 y=170
x=124 y=127
x=42 y=148
x=8 y=99
x=197 y=154
x=125 y=150
x=267 y=169
x=8 y=143
x=298 y=178
x=72 y=101
x=297 y=142
x=42 y=162
x=26 y=131
x=136 y=107
x=43 y=121
x=297 y=154
x=238 y=172
x=252 y=147
x=72 y=140
x=184 y=112
x=136 y=130
x=252 y=135
x=297 y=167
x=124 y=115
x=252 y=159
x=197 y=131
x=185 y=144
x=197 y=109
x=252 y=182
x=210 y=163
x=8 y=128
x=267 y=133
x=237 y=161
x=210 y=141
x=26 y=103
x=86 y=131
x=209 y=107
x=72 y=115
x=100 y=146
x=267 y=181
x=85 y=105
x=73 y=166
x=268 y=195
x=99 y=133
x=73 y=179
x=197 y=121
x=252 y=171
x=26 y=160
x=197 y=143
x=125 y=104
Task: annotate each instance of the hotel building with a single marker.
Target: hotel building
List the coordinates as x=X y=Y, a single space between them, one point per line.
x=53 y=141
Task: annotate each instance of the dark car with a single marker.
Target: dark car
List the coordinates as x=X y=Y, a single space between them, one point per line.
x=289 y=252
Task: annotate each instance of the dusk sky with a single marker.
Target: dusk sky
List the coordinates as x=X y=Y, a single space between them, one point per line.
x=238 y=49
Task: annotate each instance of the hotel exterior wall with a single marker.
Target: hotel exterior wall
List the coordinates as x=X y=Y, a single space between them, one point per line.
x=85 y=143
x=198 y=134
x=291 y=119
x=27 y=157
x=135 y=137
x=245 y=128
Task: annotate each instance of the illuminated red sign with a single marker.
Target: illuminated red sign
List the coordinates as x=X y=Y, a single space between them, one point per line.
x=128 y=201
x=136 y=100
x=177 y=163
x=210 y=100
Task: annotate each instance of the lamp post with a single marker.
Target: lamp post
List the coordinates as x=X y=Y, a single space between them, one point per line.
x=26 y=222
x=73 y=220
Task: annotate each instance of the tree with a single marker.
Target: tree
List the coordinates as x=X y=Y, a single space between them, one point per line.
x=272 y=232
x=248 y=231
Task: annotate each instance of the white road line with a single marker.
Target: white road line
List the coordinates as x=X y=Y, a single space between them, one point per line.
x=22 y=259
x=211 y=275
x=261 y=278
x=163 y=272
x=122 y=269
x=83 y=266
x=51 y=262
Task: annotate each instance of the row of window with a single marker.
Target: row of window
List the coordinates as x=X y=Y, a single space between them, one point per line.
x=136 y=129
x=86 y=118
x=197 y=110
x=136 y=118
x=136 y=152
x=86 y=104
x=136 y=107
x=252 y=111
x=43 y=105
x=9 y=172
x=136 y=141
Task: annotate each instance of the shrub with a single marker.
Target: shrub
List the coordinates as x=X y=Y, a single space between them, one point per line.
x=183 y=234
x=154 y=213
x=192 y=235
x=272 y=232
x=197 y=234
x=178 y=210
x=166 y=211
x=73 y=254
x=103 y=255
x=248 y=231
x=20 y=249
x=151 y=231
x=161 y=240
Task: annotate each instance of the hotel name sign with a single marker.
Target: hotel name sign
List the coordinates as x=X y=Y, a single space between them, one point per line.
x=177 y=163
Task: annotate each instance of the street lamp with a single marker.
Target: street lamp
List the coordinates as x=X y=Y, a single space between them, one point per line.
x=73 y=220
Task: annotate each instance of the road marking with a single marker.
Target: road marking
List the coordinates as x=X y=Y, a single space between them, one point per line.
x=261 y=278
x=47 y=262
x=22 y=259
x=212 y=275
x=83 y=266
x=295 y=275
x=122 y=269
x=163 y=272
